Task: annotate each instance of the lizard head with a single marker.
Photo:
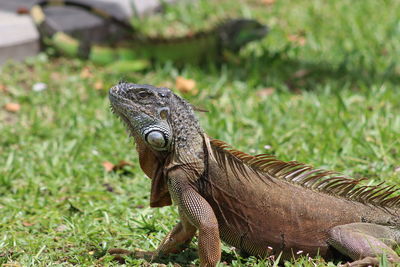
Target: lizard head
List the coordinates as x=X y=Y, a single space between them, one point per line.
x=163 y=125
x=145 y=110
x=155 y=115
x=238 y=32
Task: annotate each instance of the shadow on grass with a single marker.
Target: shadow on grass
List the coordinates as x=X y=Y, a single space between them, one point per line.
x=181 y=259
x=278 y=67
x=283 y=68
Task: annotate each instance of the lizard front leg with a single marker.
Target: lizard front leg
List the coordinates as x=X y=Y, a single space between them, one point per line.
x=178 y=238
x=200 y=214
x=363 y=242
x=175 y=241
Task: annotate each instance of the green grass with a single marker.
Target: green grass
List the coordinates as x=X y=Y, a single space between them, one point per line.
x=335 y=105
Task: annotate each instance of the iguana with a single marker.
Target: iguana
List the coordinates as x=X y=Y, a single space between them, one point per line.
x=211 y=45
x=258 y=204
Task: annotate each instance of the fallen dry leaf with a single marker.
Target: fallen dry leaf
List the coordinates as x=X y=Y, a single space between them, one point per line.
x=3 y=88
x=397 y=169
x=86 y=73
x=22 y=10
x=265 y=92
x=12 y=107
x=268 y=2
x=297 y=39
x=108 y=166
x=122 y=164
x=98 y=85
x=56 y=76
x=27 y=224
x=185 y=86
x=301 y=73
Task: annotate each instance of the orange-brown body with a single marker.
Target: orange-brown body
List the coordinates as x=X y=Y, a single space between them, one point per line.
x=258 y=204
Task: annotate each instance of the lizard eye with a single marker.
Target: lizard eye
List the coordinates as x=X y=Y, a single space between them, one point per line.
x=156 y=139
x=144 y=94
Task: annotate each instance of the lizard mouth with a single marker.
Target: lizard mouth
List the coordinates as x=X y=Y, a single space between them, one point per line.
x=120 y=104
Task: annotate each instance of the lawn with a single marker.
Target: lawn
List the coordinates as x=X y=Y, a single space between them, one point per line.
x=322 y=88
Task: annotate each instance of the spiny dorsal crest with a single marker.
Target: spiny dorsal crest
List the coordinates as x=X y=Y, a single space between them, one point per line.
x=268 y=167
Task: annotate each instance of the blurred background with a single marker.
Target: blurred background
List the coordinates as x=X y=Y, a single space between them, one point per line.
x=321 y=86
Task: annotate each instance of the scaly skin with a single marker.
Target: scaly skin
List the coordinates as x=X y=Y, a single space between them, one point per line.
x=211 y=45
x=257 y=204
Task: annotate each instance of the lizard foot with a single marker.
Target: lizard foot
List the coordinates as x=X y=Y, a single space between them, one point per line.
x=120 y=254
x=367 y=261
x=370 y=262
